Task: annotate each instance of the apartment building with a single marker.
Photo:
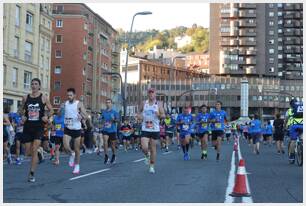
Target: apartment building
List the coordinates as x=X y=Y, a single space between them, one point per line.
x=27 y=34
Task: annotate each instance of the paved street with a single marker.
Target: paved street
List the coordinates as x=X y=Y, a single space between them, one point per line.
x=271 y=179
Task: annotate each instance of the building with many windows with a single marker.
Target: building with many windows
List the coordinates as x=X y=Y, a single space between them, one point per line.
x=84 y=48
x=257 y=39
x=27 y=34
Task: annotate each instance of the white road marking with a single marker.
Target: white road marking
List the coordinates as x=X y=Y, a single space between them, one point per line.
x=139 y=160
x=92 y=173
x=167 y=152
x=231 y=181
x=245 y=199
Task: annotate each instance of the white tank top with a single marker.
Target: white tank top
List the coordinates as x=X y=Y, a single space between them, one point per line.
x=150 y=121
x=72 y=117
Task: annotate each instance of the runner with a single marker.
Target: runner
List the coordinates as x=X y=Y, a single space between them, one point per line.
x=245 y=130
x=294 y=122
x=19 y=135
x=228 y=132
x=203 y=125
x=6 y=134
x=269 y=133
x=217 y=118
x=34 y=116
x=126 y=131
x=163 y=140
x=150 y=114
x=170 y=127
x=184 y=121
x=264 y=133
x=109 y=119
x=137 y=133
x=256 y=133
x=74 y=112
x=278 y=125
x=58 y=127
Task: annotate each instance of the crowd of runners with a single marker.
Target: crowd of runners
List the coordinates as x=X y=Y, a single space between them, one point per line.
x=35 y=130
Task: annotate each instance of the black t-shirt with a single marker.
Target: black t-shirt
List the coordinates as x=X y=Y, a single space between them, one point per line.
x=278 y=125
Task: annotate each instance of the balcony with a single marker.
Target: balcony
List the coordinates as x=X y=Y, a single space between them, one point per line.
x=233 y=42
x=251 y=52
x=250 y=70
x=250 y=60
x=247 y=6
x=245 y=32
x=245 y=13
x=288 y=32
x=244 y=23
x=289 y=15
x=298 y=6
x=244 y=42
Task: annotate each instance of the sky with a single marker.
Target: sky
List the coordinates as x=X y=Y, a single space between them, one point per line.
x=165 y=15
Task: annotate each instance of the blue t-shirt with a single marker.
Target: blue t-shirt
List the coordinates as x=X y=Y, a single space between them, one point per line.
x=193 y=128
x=109 y=126
x=264 y=130
x=256 y=126
x=269 y=129
x=203 y=126
x=59 y=123
x=187 y=121
x=219 y=117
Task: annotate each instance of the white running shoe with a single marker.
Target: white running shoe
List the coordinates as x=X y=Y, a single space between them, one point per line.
x=151 y=169
x=71 y=160
x=76 y=169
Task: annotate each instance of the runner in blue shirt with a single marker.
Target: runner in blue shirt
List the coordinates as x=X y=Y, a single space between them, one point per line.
x=18 y=124
x=184 y=122
x=256 y=133
x=58 y=126
x=203 y=125
x=217 y=119
x=109 y=130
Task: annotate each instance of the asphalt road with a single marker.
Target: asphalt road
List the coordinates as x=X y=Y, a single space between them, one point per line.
x=270 y=179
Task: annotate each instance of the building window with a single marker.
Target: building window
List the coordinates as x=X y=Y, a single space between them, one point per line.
x=16 y=47
x=85 y=26
x=27 y=80
x=271 y=23
x=280 y=22
x=279 y=13
x=28 y=52
x=42 y=61
x=271 y=6
x=271 y=60
x=271 y=69
x=4 y=74
x=280 y=48
x=85 y=56
x=47 y=82
x=57 y=100
x=48 y=45
x=280 y=56
x=271 y=14
x=271 y=51
x=271 y=41
x=58 y=54
x=59 y=23
x=49 y=24
x=15 y=77
x=59 y=8
x=280 y=5
x=58 y=70
x=85 y=40
x=42 y=46
x=47 y=63
x=17 y=16
x=29 y=22
x=271 y=32
x=59 y=39
x=57 y=85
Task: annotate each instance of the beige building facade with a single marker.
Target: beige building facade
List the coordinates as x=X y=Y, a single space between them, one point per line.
x=27 y=36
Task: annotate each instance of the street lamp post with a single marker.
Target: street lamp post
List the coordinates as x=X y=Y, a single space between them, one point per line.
x=169 y=100
x=126 y=60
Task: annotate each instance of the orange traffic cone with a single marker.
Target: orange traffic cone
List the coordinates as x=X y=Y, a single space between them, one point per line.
x=240 y=189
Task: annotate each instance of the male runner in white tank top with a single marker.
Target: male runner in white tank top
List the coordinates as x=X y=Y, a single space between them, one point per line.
x=150 y=113
x=74 y=112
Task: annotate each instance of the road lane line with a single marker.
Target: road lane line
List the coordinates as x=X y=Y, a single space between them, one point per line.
x=139 y=160
x=92 y=173
x=167 y=152
x=245 y=199
x=231 y=181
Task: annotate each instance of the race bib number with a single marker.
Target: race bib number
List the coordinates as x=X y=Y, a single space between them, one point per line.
x=185 y=127
x=68 y=122
x=58 y=126
x=204 y=125
x=107 y=125
x=149 y=125
x=218 y=125
x=19 y=129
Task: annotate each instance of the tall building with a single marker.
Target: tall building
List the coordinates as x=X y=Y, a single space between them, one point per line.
x=257 y=39
x=27 y=34
x=84 y=49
